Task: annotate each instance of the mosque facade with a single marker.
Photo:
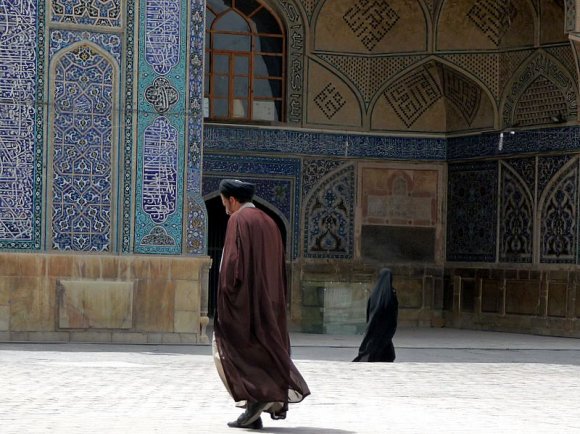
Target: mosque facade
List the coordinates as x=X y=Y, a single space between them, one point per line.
x=438 y=138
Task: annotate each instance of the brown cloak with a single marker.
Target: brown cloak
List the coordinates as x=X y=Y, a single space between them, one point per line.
x=250 y=328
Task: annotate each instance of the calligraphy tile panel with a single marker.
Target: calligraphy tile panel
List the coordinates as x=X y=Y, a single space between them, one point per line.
x=20 y=124
x=161 y=127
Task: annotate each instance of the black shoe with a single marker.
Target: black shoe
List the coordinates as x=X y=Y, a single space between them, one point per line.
x=257 y=424
x=251 y=415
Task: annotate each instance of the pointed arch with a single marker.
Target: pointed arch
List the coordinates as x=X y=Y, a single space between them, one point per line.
x=558 y=216
x=82 y=177
x=329 y=216
x=516 y=222
x=542 y=72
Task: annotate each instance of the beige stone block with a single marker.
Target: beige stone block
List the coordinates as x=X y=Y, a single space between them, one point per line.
x=49 y=336
x=184 y=269
x=522 y=297
x=96 y=304
x=186 y=322
x=32 y=264
x=125 y=268
x=91 y=336
x=154 y=338
x=9 y=264
x=4 y=337
x=129 y=338
x=6 y=285
x=86 y=267
x=59 y=265
x=154 y=305
x=187 y=296
x=160 y=268
x=4 y=318
x=170 y=338
x=109 y=267
x=19 y=337
x=189 y=338
x=33 y=304
x=409 y=291
x=140 y=267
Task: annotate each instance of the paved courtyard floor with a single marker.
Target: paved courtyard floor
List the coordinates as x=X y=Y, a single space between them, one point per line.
x=443 y=381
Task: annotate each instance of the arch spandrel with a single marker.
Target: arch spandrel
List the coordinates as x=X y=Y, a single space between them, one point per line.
x=330 y=99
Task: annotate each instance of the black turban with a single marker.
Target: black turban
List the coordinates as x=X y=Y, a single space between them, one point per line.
x=242 y=191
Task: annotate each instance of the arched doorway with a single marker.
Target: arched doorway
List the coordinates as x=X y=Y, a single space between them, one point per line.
x=217 y=223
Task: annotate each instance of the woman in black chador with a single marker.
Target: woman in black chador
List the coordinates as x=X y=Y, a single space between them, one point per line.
x=382 y=312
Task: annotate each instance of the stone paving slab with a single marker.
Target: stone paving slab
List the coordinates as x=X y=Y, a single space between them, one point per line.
x=75 y=388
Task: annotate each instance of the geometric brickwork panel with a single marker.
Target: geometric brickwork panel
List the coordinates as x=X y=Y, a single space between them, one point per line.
x=83 y=145
x=371 y=20
x=462 y=92
x=309 y=6
x=105 y=13
x=539 y=103
x=368 y=74
x=516 y=227
x=559 y=218
x=543 y=88
x=484 y=66
x=472 y=212
x=329 y=216
x=21 y=124
x=329 y=101
x=509 y=62
x=493 y=18
x=412 y=95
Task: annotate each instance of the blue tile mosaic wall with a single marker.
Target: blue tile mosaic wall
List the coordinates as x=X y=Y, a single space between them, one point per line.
x=517 y=204
x=228 y=139
x=472 y=211
x=196 y=239
x=559 y=217
x=492 y=145
x=329 y=216
x=21 y=124
x=85 y=91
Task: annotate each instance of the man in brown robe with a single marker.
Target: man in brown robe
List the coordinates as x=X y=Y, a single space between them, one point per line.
x=250 y=331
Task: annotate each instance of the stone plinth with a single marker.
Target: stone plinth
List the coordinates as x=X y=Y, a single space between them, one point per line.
x=100 y=298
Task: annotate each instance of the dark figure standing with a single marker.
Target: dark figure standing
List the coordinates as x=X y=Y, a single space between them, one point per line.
x=382 y=312
x=252 y=351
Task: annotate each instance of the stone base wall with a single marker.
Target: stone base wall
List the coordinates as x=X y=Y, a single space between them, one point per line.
x=543 y=302
x=331 y=297
x=102 y=298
